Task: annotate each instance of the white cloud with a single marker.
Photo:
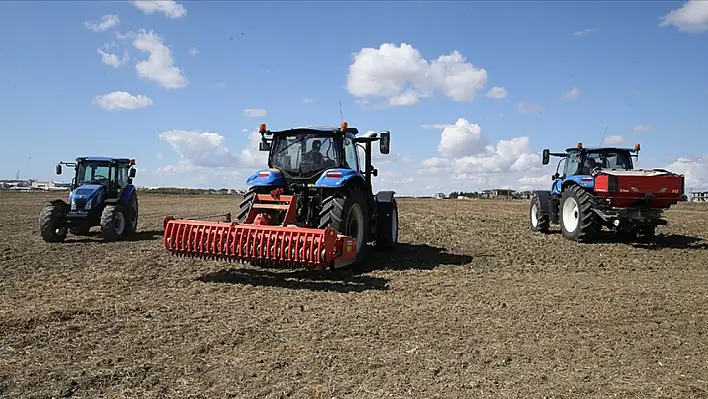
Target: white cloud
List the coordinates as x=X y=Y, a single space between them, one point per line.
x=200 y=148
x=193 y=51
x=541 y=181
x=254 y=112
x=525 y=108
x=573 y=93
x=113 y=59
x=641 y=128
x=159 y=67
x=401 y=76
x=691 y=17
x=584 y=31
x=168 y=7
x=118 y=100
x=308 y=100
x=463 y=138
x=437 y=126
x=695 y=171
x=107 y=22
x=615 y=140
x=466 y=151
x=497 y=93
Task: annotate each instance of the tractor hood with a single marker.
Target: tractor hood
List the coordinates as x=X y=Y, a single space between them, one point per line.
x=86 y=196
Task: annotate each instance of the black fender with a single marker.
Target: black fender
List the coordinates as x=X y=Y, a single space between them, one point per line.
x=59 y=202
x=385 y=197
x=544 y=197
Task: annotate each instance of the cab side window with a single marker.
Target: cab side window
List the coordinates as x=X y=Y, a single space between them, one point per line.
x=351 y=153
x=122 y=176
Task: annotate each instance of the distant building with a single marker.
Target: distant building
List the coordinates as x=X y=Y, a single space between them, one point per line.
x=699 y=196
x=523 y=195
x=439 y=196
x=499 y=193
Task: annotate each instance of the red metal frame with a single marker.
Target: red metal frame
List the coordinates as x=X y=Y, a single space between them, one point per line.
x=279 y=245
x=665 y=190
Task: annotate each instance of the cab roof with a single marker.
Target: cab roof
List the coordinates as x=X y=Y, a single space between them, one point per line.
x=315 y=129
x=104 y=159
x=598 y=149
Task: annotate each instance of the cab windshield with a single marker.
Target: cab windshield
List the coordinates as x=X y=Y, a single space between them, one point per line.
x=92 y=173
x=305 y=153
x=580 y=163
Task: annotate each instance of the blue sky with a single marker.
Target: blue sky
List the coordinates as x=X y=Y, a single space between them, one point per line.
x=186 y=126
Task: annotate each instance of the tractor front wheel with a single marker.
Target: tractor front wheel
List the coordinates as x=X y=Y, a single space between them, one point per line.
x=539 y=220
x=113 y=222
x=387 y=228
x=132 y=225
x=346 y=212
x=51 y=221
x=577 y=219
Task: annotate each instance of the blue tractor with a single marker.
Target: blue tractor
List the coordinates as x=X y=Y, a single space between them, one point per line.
x=313 y=206
x=102 y=194
x=599 y=187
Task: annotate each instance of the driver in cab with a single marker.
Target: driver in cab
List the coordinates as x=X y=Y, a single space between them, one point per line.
x=314 y=155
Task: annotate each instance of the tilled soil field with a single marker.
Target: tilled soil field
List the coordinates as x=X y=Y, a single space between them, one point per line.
x=472 y=304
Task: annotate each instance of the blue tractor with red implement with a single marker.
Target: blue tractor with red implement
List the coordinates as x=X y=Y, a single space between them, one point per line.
x=313 y=206
x=102 y=194
x=599 y=187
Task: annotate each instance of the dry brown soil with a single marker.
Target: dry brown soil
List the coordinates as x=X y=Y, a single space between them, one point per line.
x=472 y=304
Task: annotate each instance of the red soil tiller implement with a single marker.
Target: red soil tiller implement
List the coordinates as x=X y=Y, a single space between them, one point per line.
x=258 y=240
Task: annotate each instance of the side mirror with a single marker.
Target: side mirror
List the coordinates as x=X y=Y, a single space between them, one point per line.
x=264 y=146
x=58 y=169
x=131 y=174
x=546 y=156
x=385 y=142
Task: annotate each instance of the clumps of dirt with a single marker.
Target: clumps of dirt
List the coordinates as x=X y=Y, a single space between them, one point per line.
x=471 y=304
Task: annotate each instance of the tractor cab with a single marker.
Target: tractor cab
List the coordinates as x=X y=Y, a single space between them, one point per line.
x=579 y=163
x=302 y=155
x=113 y=174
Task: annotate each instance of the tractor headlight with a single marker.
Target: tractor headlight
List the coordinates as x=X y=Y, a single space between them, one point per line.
x=88 y=204
x=73 y=204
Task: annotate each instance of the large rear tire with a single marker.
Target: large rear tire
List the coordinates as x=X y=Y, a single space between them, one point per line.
x=51 y=221
x=577 y=219
x=113 y=222
x=346 y=211
x=539 y=221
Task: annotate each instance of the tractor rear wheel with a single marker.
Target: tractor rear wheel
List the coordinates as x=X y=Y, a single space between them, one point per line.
x=539 y=221
x=346 y=211
x=577 y=219
x=51 y=221
x=113 y=222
